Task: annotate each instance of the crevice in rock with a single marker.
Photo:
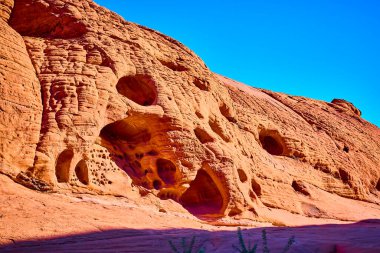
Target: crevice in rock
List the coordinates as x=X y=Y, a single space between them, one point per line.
x=272 y=142
x=202 y=135
x=300 y=187
x=201 y=84
x=256 y=187
x=227 y=113
x=378 y=185
x=242 y=176
x=62 y=167
x=324 y=168
x=218 y=129
x=199 y=115
x=173 y=66
x=234 y=212
x=344 y=175
x=140 y=89
x=167 y=171
x=252 y=195
x=152 y=153
x=81 y=171
x=203 y=196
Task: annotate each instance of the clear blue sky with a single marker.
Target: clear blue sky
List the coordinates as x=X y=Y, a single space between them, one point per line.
x=321 y=49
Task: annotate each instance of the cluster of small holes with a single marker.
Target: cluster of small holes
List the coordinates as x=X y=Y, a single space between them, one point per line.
x=131 y=150
x=99 y=165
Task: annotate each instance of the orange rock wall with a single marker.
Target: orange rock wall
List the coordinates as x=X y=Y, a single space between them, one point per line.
x=127 y=110
x=20 y=99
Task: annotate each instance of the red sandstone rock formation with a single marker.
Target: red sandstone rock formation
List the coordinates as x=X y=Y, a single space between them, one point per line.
x=92 y=103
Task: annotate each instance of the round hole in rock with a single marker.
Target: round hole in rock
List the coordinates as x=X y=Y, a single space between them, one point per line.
x=62 y=168
x=139 y=88
x=271 y=143
x=157 y=184
x=166 y=170
x=81 y=171
x=242 y=176
x=203 y=196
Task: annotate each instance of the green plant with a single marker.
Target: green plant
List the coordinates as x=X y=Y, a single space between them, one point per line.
x=289 y=244
x=265 y=241
x=244 y=248
x=185 y=248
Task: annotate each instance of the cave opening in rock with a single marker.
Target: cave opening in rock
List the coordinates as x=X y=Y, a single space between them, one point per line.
x=130 y=131
x=167 y=171
x=62 y=168
x=140 y=89
x=203 y=196
x=81 y=171
x=125 y=140
x=271 y=142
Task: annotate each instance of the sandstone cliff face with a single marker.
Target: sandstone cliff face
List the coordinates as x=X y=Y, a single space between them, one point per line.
x=126 y=111
x=20 y=99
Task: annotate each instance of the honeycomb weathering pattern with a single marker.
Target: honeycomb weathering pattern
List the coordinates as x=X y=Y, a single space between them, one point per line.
x=93 y=103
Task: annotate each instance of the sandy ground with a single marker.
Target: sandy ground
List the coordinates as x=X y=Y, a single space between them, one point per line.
x=31 y=221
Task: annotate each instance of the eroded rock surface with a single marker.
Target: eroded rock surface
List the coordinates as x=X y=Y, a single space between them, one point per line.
x=20 y=99
x=126 y=110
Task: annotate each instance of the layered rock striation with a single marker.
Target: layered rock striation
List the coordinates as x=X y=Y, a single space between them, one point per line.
x=92 y=103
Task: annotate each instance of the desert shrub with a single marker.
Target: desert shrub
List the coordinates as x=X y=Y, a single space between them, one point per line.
x=242 y=248
x=185 y=248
